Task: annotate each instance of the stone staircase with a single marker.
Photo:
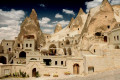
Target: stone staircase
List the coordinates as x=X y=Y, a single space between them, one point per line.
x=9 y=62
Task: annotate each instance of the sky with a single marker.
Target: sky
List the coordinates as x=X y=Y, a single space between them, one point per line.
x=50 y=12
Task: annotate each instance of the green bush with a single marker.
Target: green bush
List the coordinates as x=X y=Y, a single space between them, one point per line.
x=6 y=76
x=37 y=74
x=22 y=74
x=27 y=75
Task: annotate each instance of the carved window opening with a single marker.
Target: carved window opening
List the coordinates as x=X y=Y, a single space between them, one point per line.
x=117 y=37
x=94 y=50
x=30 y=45
x=105 y=38
x=61 y=62
x=55 y=62
x=67 y=42
x=98 y=34
x=90 y=70
x=18 y=45
x=26 y=45
x=108 y=26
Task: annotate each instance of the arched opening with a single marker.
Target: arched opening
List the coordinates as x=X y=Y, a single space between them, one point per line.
x=3 y=60
x=65 y=53
x=22 y=54
x=52 y=49
x=105 y=38
x=69 y=51
x=34 y=72
x=67 y=42
x=117 y=47
x=98 y=34
x=76 y=69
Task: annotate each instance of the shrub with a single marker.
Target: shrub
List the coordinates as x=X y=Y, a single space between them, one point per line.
x=67 y=73
x=6 y=76
x=47 y=74
x=37 y=74
x=22 y=74
x=27 y=75
x=55 y=75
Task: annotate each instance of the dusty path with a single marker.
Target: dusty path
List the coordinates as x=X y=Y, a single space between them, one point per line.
x=108 y=75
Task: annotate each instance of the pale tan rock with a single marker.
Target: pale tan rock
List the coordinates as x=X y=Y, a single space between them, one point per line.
x=58 y=28
x=105 y=6
x=30 y=26
x=102 y=20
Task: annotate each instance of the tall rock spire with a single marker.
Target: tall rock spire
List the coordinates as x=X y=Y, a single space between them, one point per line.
x=30 y=26
x=71 y=21
x=81 y=11
x=33 y=15
x=106 y=6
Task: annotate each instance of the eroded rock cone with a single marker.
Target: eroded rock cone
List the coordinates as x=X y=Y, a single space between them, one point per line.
x=105 y=6
x=71 y=21
x=58 y=28
x=30 y=26
x=81 y=12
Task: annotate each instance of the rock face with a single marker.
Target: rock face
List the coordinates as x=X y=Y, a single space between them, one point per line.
x=116 y=9
x=77 y=22
x=105 y=6
x=70 y=23
x=30 y=26
x=102 y=20
x=58 y=28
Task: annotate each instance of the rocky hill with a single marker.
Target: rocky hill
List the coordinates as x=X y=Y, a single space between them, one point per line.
x=30 y=26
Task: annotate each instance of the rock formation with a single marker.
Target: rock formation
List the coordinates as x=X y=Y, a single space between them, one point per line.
x=78 y=20
x=102 y=20
x=70 y=23
x=105 y=6
x=116 y=9
x=58 y=28
x=30 y=26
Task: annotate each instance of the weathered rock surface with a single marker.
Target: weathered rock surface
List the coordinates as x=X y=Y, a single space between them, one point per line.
x=103 y=20
x=30 y=26
x=58 y=28
x=100 y=19
x=116 y=9
x=78 y=21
